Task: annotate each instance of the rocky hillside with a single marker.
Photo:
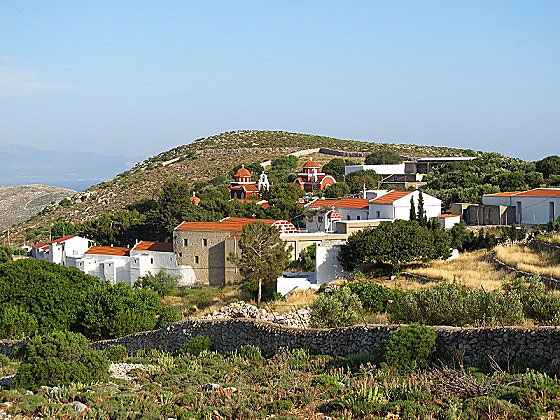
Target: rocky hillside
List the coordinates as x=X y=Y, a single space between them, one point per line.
x=19 y=203
x=201 y=160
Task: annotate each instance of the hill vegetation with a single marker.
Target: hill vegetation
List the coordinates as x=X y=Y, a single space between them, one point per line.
x=203 y=160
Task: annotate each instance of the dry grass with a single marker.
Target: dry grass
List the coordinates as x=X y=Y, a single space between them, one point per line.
x=553 y=239
x=526 y=259
x=471 y=269
x=298 y=299
x=402 y=283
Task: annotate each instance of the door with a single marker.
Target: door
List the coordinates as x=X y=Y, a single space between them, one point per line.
x=551 y=215
x=519 y=213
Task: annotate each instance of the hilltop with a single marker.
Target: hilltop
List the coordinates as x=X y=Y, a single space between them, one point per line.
x=20 y=202
x=201 y=160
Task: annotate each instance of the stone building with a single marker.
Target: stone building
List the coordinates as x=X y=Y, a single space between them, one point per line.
x=205 y=246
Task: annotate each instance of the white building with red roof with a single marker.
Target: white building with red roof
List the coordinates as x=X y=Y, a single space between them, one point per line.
x=538 y=206
x=64 y=251
x=386 y=206
x=312 y=179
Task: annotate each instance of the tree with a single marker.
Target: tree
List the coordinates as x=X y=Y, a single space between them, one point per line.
x=357 y=180
x=412 y=209
x=263 y=255
x=548 y=166
x=393 y=243
x=422 y=219
x=512 y=181
x=383 y=157
x=340 y=189
x=60 y=229
x=162 y=282
x=336 y=167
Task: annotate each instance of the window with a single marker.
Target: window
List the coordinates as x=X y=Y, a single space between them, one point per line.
x=204 y=242
x=196 y=259
x=347 y=217
x=378 y=214
x=358 y=217
x=185 y=242
x=151 y=260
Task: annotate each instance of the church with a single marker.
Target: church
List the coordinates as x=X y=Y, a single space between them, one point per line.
x=312 y=179
x=242 y=187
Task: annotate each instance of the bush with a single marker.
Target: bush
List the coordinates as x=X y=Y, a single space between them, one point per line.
x=455 y=305
x=116 y=353
x=341 y=308
x=16 y=323
x=539 y=304
x=373 y=296
x=411 y=347
x=162 y=282
x=60 y=358
x=4 y=360
x=251 y=353
x=197 y=345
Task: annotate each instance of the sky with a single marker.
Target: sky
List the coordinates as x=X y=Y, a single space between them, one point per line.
x=139 y=77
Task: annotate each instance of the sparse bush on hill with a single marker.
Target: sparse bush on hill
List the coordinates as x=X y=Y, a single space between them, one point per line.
x=373 y=296
x=116 y=353
x=60 y=358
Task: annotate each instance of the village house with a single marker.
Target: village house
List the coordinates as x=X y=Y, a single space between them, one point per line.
x=64 y=251
x=538 y=206
x=379 y=205
x=312 y=179
x=122 y=264
x=205 y=246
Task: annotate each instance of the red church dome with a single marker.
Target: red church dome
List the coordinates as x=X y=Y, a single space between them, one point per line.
x=242 y=172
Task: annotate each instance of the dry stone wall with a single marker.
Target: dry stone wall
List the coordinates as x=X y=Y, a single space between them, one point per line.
x=464 y=345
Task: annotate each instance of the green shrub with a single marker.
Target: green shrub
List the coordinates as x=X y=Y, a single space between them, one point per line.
x=456 y=305
x=411 y=347
x=162 y=282
x=373 y=296
x=341 y=308
x=4 y=360
x=197 y=345
x=16 y=323
x=116 y=353
x=251 y=353
x=60 y=358
x=539 y=304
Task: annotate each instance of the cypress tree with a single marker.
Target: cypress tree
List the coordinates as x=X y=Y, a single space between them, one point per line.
x=412 y=209
x=421 y=212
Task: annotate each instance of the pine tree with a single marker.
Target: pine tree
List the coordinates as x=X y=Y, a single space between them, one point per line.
x=412 y=209
x=422 y=219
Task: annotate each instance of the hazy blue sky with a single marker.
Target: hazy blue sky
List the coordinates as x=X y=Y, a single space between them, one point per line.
x=139 y=77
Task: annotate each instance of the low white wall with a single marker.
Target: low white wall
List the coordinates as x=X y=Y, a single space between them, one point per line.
x=284 y=285
x=327 y=266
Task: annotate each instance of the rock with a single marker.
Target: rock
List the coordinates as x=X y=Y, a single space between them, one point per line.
x=79 y=407
x=211 y=387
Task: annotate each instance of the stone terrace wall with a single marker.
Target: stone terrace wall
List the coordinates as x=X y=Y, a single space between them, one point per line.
x=463 y=344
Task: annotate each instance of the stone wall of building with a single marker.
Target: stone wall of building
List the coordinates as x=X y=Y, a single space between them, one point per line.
x=461 y=344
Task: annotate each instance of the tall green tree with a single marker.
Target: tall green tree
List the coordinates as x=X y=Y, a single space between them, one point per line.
x=60 y=229
x=383 y=157
x=263 y=256
x=340 y=189
x=548 y=166
x=357 y=180
x=412 y=209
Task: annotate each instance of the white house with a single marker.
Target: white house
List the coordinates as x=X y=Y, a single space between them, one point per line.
x=534 y=207
x=447 y=221
x=64 y=251
x=108 y=263
x=153 y=257
x=386 y=206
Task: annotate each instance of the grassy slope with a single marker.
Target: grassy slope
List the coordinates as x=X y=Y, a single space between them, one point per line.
x=146 y=178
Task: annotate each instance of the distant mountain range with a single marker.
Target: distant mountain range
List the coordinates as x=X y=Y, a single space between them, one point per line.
x=66 y=169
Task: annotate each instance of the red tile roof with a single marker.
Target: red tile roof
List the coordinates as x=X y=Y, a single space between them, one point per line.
x=55 y=241
x=390 y=197
x=229 y=224
x=502 y=194
x=108 y=250
x=540 y=192
x=311 y=164
x=445 y=216
x=347 y=203
x=242 y=172
x=537 y=192
x=153 y=246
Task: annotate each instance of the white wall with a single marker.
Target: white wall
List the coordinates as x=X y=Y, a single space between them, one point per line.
x=496 y=201
x=114 y=269
x=327 y=266
x=284 y=285
x=536 y=210
x=143 y=262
